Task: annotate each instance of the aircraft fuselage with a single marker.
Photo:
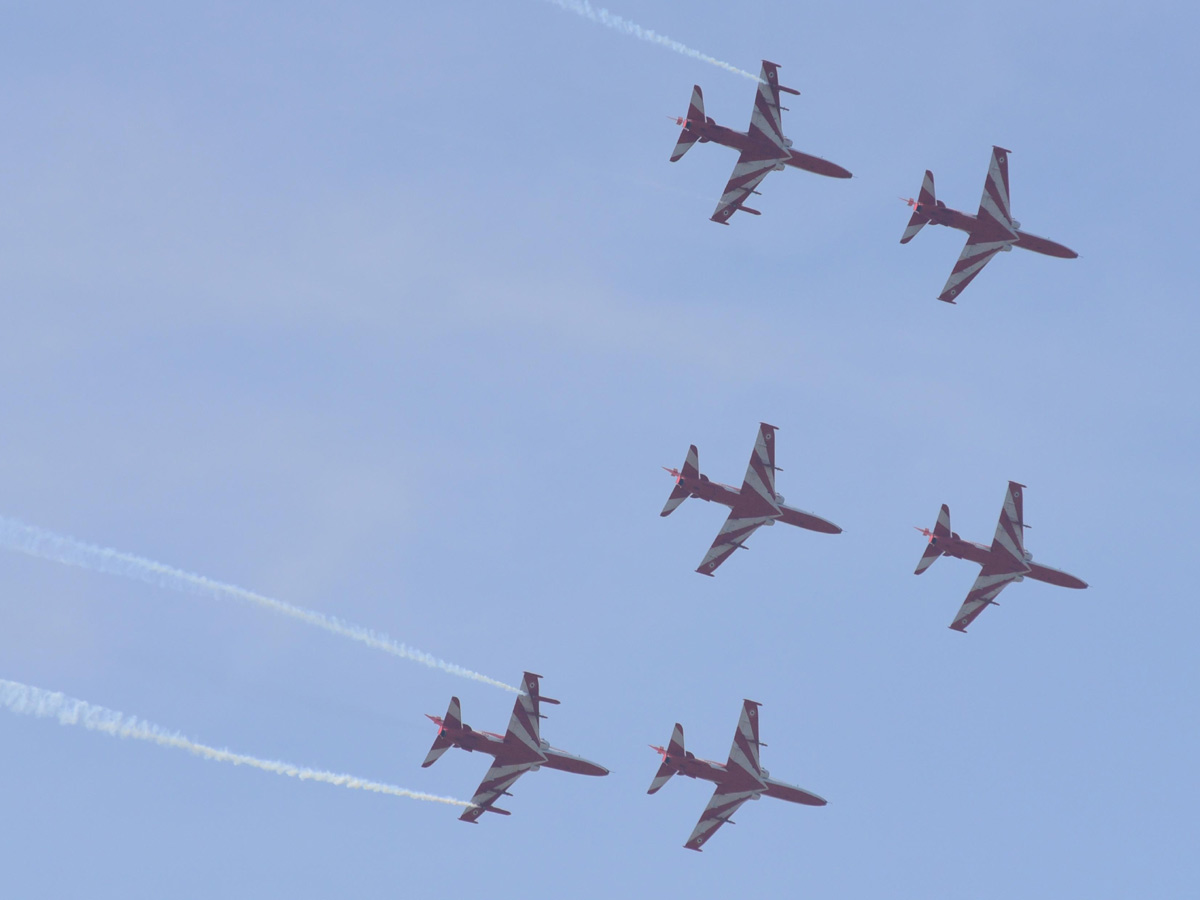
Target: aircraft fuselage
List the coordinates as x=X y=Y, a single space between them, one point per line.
x=941 y=214
x=741 y=141
x=508 y=752
x=727 y=495
x=718 y=773
x=981 y=554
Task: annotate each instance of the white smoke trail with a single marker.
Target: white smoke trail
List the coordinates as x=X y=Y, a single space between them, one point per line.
x=617 y=23
x=32 y=701
x=58 y=548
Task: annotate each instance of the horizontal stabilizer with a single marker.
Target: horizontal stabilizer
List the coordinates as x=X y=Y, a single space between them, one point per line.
x=938 y=540
x=681 y=491
x=922 y=207
x=691 y=125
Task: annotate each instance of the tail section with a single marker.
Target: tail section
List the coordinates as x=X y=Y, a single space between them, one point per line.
x=925 y=203
x=673 y=751
x=681 y=491
x=443 y=742
x=691 y=125
x=938 y=538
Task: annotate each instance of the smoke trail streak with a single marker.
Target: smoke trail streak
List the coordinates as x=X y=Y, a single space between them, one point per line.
x=617 y=23
x=58 y=548
x=32 y=701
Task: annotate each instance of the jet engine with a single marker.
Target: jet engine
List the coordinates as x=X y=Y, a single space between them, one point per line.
x=1028 y=556
x=1016 y=224
x=787 y=142
x=779 y=167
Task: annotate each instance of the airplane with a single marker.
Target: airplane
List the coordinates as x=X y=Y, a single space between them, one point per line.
x=763 y=148
x=521 y=749
x=740 y=779
x=1004 y=562
x=992 y=230
x=751 y=506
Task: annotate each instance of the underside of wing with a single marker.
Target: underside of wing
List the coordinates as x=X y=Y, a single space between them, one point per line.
x=995 y=213
x=1009 y=542
x=749 y=172
x=743 y=754
x=524 y=726
x=757 y=496
x=495 y=784
x=766 y=122
x=976 y=254
x=721 y=807
x=734 y=533
x=983 y=593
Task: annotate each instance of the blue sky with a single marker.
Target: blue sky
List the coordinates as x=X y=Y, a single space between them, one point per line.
x=395 y=312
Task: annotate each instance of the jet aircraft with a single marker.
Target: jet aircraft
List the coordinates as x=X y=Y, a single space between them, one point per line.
x=753 y=505
x=1004 y=562
x=763 y=148
x=742 y=778
x=520 y=750
x=992 y=230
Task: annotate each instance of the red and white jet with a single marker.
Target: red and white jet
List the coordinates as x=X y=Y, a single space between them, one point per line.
x=520 y=750
x=740 y=779
x=1004 y=562
x=991 y=230
x=763 y=148
x=753 y=505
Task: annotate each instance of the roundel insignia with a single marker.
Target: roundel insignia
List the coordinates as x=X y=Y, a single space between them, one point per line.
x=753 y=712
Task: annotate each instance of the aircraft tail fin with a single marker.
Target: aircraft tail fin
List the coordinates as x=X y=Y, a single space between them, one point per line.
x=681 y=491
x=938 y=538
x=673 y=751
x=922 y=206
x=443 y=741
x=691 y=125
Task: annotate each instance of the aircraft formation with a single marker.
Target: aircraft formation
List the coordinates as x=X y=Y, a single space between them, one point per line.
x=764 y=148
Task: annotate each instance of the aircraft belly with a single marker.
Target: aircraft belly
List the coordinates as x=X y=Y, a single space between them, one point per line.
x=573 y=764
x=817 y=166
x=807 y=520
x=793 y=794
x=1044 y=246
x=1056 y=577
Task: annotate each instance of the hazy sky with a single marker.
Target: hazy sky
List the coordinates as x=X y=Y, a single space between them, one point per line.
x=393 y=312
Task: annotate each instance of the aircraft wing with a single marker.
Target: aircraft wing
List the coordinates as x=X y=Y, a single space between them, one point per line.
x=1009 y=542
x=734 y=533
x=743 y=755
x=524 y=726
x=756 y=504
x=984 y=591
x=976 y=255
x=495 y=784
x=995 y=213
x=757 y=496
x=751 y=168
x=724 y=803
x=766 y=122
x=994 y=228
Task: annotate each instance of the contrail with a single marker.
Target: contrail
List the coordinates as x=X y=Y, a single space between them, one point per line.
x=617 y=23
x=59 y=548
x=32 y=701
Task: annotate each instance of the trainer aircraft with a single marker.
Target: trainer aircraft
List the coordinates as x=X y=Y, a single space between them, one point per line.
x=519 y=750
x=990 y=231
x=740 y=779
x=762 y=150
x=751 y=506
x=1005 y=562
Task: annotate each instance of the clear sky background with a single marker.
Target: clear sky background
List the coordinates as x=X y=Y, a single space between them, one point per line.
x=395 y=311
